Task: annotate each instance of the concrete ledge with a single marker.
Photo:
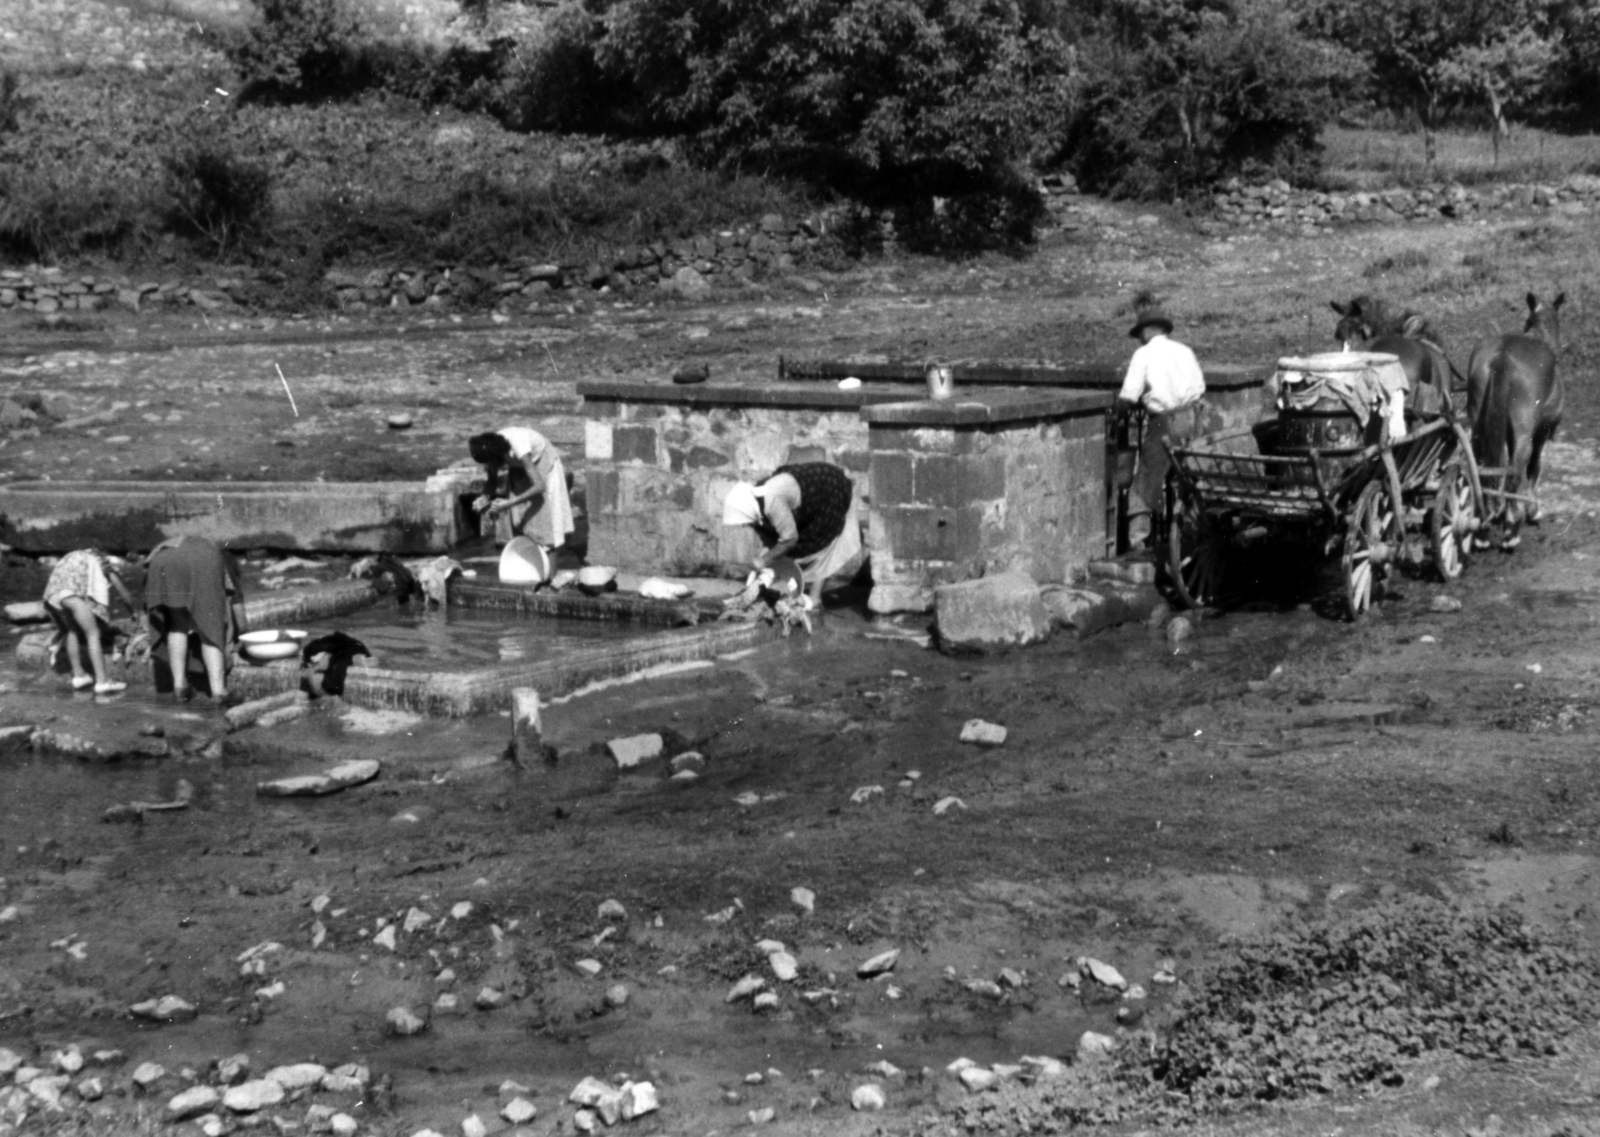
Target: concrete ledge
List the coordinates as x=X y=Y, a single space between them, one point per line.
x=609 y=606
x=985 y=408
x=392 y=517
x=735 y=395
x=1082 y=376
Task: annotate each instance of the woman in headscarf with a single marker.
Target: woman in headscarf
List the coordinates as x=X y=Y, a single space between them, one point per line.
x=535 y=502
x=806 y=512
x=78 y=598
x=195 y=600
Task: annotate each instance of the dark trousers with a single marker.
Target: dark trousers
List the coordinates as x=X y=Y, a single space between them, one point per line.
x=1176 y=427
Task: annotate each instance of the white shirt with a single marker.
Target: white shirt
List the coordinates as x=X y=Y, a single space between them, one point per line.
x=1164 y=375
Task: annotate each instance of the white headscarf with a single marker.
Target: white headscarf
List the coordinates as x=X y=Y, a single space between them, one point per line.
x=742 y=506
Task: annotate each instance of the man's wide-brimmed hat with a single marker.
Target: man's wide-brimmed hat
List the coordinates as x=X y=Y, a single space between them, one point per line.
x=1151 y=317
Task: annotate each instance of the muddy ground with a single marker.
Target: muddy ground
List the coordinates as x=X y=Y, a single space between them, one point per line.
x=1148 y=801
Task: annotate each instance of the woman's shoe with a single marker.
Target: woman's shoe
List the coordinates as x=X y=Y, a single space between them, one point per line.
x=110 y=687
x=82 y=682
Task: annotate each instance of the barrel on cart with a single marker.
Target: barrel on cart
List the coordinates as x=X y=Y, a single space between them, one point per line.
x=1341 y=468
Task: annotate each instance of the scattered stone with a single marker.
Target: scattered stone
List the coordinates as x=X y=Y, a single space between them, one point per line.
x=1011 y=977
x=298 y=1076
x=865 y=793
x=90 y=1089
x=613 y=909
x=1442 y=603
x=590 y=1092
x=803 y=899
x=385 y=937
x=1166 y=973
x=983 y=733
x=1043 y=1068
x=765 y=1001
x=343 y=1125
x=589 y=968
x=472 y=1126
x=690 y=760
x=416 y=918
x=191 y=1102
x=630 y=752
x=68 y=1060
x=1071 y=981
x=519 y=1110
x=885 y=1068
x=401 y=1021
x=233 y=1070
x=253 y=1096
x=762 y=1116
x=490 y=999
x=1102 y=973
x=400 y=422
x=147 y=1074
x=879 y=964
x=977 y=1079
x=584 y=1121
x=1130 y=1014
x=446 y=1004
x=638 y=1099
x=784 y=966
x=992 y=613
x=985 y=987
x=1179 y=628
x=339 y=777
x=350 y=1076
x=867 y=1099
x=167 y=1009
x=746 y=987
x=945 y=804
x=1093 y=1046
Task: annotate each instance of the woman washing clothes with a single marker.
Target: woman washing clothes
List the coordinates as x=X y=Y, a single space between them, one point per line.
x=534 y=502
x=194 y=600
x=806 y=512
x=78 y=598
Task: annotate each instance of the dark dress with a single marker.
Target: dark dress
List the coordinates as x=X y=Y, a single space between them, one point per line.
x=825 y=496
x=189 y=584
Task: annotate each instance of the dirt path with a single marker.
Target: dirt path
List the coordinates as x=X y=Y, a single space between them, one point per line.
x=1146 y=801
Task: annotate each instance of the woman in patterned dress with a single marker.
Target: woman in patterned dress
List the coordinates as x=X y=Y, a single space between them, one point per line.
x=806 y=512
x=78 y=598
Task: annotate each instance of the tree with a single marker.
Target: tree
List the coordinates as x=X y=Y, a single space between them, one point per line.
x=1512 y=69
x=1181 y=92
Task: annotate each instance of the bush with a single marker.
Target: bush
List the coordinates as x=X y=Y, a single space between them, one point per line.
x=1327 y=1006
x=297 y=51
x=217 y=196
x=48 y=216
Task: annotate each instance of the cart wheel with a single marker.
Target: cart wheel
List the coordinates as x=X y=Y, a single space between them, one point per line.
x=1452 y=521
x=1197 y=551
x=1371 y=539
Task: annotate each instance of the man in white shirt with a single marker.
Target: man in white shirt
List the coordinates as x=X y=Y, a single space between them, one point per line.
x=1165 y=379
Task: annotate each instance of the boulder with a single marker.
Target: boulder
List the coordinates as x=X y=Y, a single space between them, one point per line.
x=192 y=1102
x=993 y=613
x=688 y=283
x=249 y=1097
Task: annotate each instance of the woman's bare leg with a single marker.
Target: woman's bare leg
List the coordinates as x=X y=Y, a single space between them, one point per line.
x=216 y=674
x=87 y=631
x=178 y=660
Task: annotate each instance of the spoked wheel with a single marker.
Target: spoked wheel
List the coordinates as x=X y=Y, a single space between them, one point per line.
x=1452 y=521
x=1371 y=540
x=1197 y=550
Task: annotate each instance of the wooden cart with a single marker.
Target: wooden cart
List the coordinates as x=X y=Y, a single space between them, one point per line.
x=1415 y=502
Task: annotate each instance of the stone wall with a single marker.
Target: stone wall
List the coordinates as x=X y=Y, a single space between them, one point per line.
x=994 y=482
x=659 y=461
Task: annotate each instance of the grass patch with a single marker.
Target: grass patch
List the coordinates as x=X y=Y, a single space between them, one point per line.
x=1370 y=158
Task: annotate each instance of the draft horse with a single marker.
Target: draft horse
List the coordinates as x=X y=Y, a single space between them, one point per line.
x=1515 y=399
x=1407 y=336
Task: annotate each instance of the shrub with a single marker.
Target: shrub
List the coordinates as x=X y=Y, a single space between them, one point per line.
x=51 y=215
x=1326 y=1006
x=297 y=51
x=216 y=195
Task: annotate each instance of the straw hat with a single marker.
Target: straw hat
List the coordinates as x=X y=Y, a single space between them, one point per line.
x=1151 y=317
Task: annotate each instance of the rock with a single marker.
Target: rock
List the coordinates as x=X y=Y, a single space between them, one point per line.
x=879 y=964
x=339 y=777
x=385 y=937
x=402 y=1022
x=590 y=1092
x=249 y=1097
x=472 y=1126
x=167 y=1009
x=519 y=1110
x=689 y=284
x=617 y=995
x=1011 y=977
x=630 y=752
x=191 y=1102
x=613 y=909
x=765 y=1001
x=988 y=988
x=1103 y=973
x=691 y=761
x=584 y=1121
x=589 y=968
x=343 y=1125
x=990 y=614
x=867 y=1098
x=761 y=1116
x=68 y=1060
x=233 y=1070
x=1043 y=1068
x=638 y=1099
x=399 y=422
x=784 y=966
x=27 y=612
x=47 y=1091
x=298 y=1076
x=977 y=1079
x=490 y=999
x=10 y=1061
x=982 y=733
x=746 y=987
x=90 y=1089
x=1092 y=1047
x=945 y=804
x=1444 y=603
x=446 y=1004
x=803 y=899
x=1179 y=628
x=863 y=794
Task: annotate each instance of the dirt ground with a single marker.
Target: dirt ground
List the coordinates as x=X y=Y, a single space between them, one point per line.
x=1148 y=801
